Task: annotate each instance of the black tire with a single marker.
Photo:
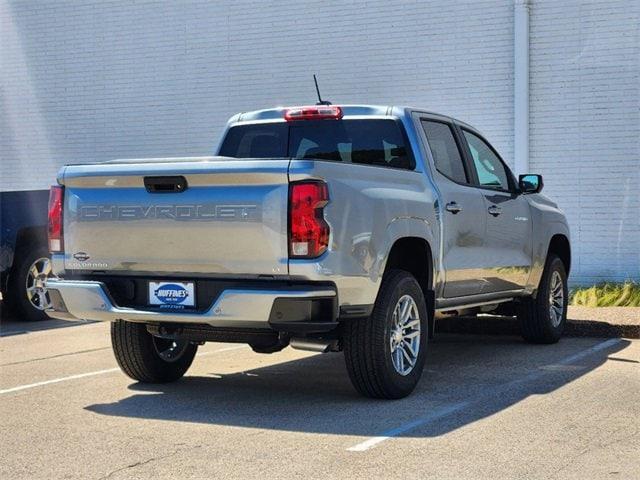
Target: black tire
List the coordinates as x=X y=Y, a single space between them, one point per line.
x=366 y=341
x=137 y=354
x=17 y=302
x=536 y=320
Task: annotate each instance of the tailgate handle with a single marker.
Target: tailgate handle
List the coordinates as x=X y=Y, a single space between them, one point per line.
x=174 y=184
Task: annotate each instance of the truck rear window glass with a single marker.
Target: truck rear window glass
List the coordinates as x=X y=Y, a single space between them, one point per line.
x=369 y=142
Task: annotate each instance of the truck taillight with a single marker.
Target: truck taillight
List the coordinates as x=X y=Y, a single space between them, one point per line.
x=316 y=112
x=308 y=230
x=56 y=195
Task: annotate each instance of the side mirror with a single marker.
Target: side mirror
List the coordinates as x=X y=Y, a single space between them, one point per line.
x=530 y=183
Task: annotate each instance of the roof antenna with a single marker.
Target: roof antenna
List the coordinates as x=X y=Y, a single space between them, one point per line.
x=320 y=101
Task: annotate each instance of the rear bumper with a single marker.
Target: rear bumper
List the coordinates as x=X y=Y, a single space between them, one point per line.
x=296 y=309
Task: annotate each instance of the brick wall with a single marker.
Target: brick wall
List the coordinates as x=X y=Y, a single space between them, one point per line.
x=97 y=80
x=585 y=127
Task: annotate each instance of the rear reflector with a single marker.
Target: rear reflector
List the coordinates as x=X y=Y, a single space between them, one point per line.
x=317 y=112
x=56 y=195
x=308 y=230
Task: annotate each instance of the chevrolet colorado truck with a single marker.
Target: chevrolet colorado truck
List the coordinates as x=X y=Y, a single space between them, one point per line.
x=326 y=228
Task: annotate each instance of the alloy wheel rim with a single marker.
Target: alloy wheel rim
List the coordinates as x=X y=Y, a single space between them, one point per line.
x=38 y=273
x=168 y=349
x=404 y=338
x=556 y=299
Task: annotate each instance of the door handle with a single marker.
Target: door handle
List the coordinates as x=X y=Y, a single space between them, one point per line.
x=495 y=210
x=453 y=207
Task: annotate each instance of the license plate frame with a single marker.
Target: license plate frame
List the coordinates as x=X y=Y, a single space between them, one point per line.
x=171 y=294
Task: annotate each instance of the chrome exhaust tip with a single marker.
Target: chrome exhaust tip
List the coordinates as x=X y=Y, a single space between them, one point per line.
x=313 y=344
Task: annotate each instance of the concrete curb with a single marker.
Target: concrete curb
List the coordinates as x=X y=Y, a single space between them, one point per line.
x=492 y=325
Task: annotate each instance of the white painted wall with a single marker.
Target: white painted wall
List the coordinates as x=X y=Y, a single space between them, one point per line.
x=95 y=80
x=585 y=127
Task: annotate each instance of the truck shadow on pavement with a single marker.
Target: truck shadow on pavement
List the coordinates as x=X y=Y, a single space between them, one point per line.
x=13 y=326
x=467 y=378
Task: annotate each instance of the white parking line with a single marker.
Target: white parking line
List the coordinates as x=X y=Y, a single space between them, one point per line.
x=589 y=351
x=433 y=415
x=97 y=372
x=58 y=380
x=450 y=409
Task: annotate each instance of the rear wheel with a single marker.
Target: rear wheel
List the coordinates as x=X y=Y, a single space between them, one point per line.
x=147 y=358
x=543 y=318
x=385 y=353
x=27 y=298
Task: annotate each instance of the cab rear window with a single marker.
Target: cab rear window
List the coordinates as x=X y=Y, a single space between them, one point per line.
x=368 y=142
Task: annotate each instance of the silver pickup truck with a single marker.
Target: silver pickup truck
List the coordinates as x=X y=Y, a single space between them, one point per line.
x=326 y=228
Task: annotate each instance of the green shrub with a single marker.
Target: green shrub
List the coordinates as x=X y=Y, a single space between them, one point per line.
x=625 y=294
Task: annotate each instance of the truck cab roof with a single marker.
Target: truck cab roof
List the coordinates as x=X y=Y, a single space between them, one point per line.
x=278 y=113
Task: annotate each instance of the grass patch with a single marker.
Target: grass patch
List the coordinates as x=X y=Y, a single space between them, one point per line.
x=625 y=294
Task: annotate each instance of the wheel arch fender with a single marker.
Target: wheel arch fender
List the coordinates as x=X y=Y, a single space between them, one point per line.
x=409 y=244
x=28 y=237
x=404 y=228
x=554 y=237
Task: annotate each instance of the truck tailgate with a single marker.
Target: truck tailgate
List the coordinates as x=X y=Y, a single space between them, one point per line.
x=230 y=218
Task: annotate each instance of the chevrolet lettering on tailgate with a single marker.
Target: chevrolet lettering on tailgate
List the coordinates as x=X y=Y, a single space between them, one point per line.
x=195 y=212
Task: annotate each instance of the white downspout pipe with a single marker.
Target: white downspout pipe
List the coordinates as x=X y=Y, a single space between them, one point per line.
x=521 y=86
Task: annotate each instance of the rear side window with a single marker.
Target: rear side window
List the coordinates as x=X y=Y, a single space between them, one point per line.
x=256 y=141
x=444 y=149
x=369 y=142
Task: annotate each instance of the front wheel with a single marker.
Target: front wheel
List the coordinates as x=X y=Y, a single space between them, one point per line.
x=147 y=358
x=542 y=319
x=385 y=353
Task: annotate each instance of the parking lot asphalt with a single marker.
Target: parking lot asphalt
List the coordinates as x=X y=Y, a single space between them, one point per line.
x=487 y=407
